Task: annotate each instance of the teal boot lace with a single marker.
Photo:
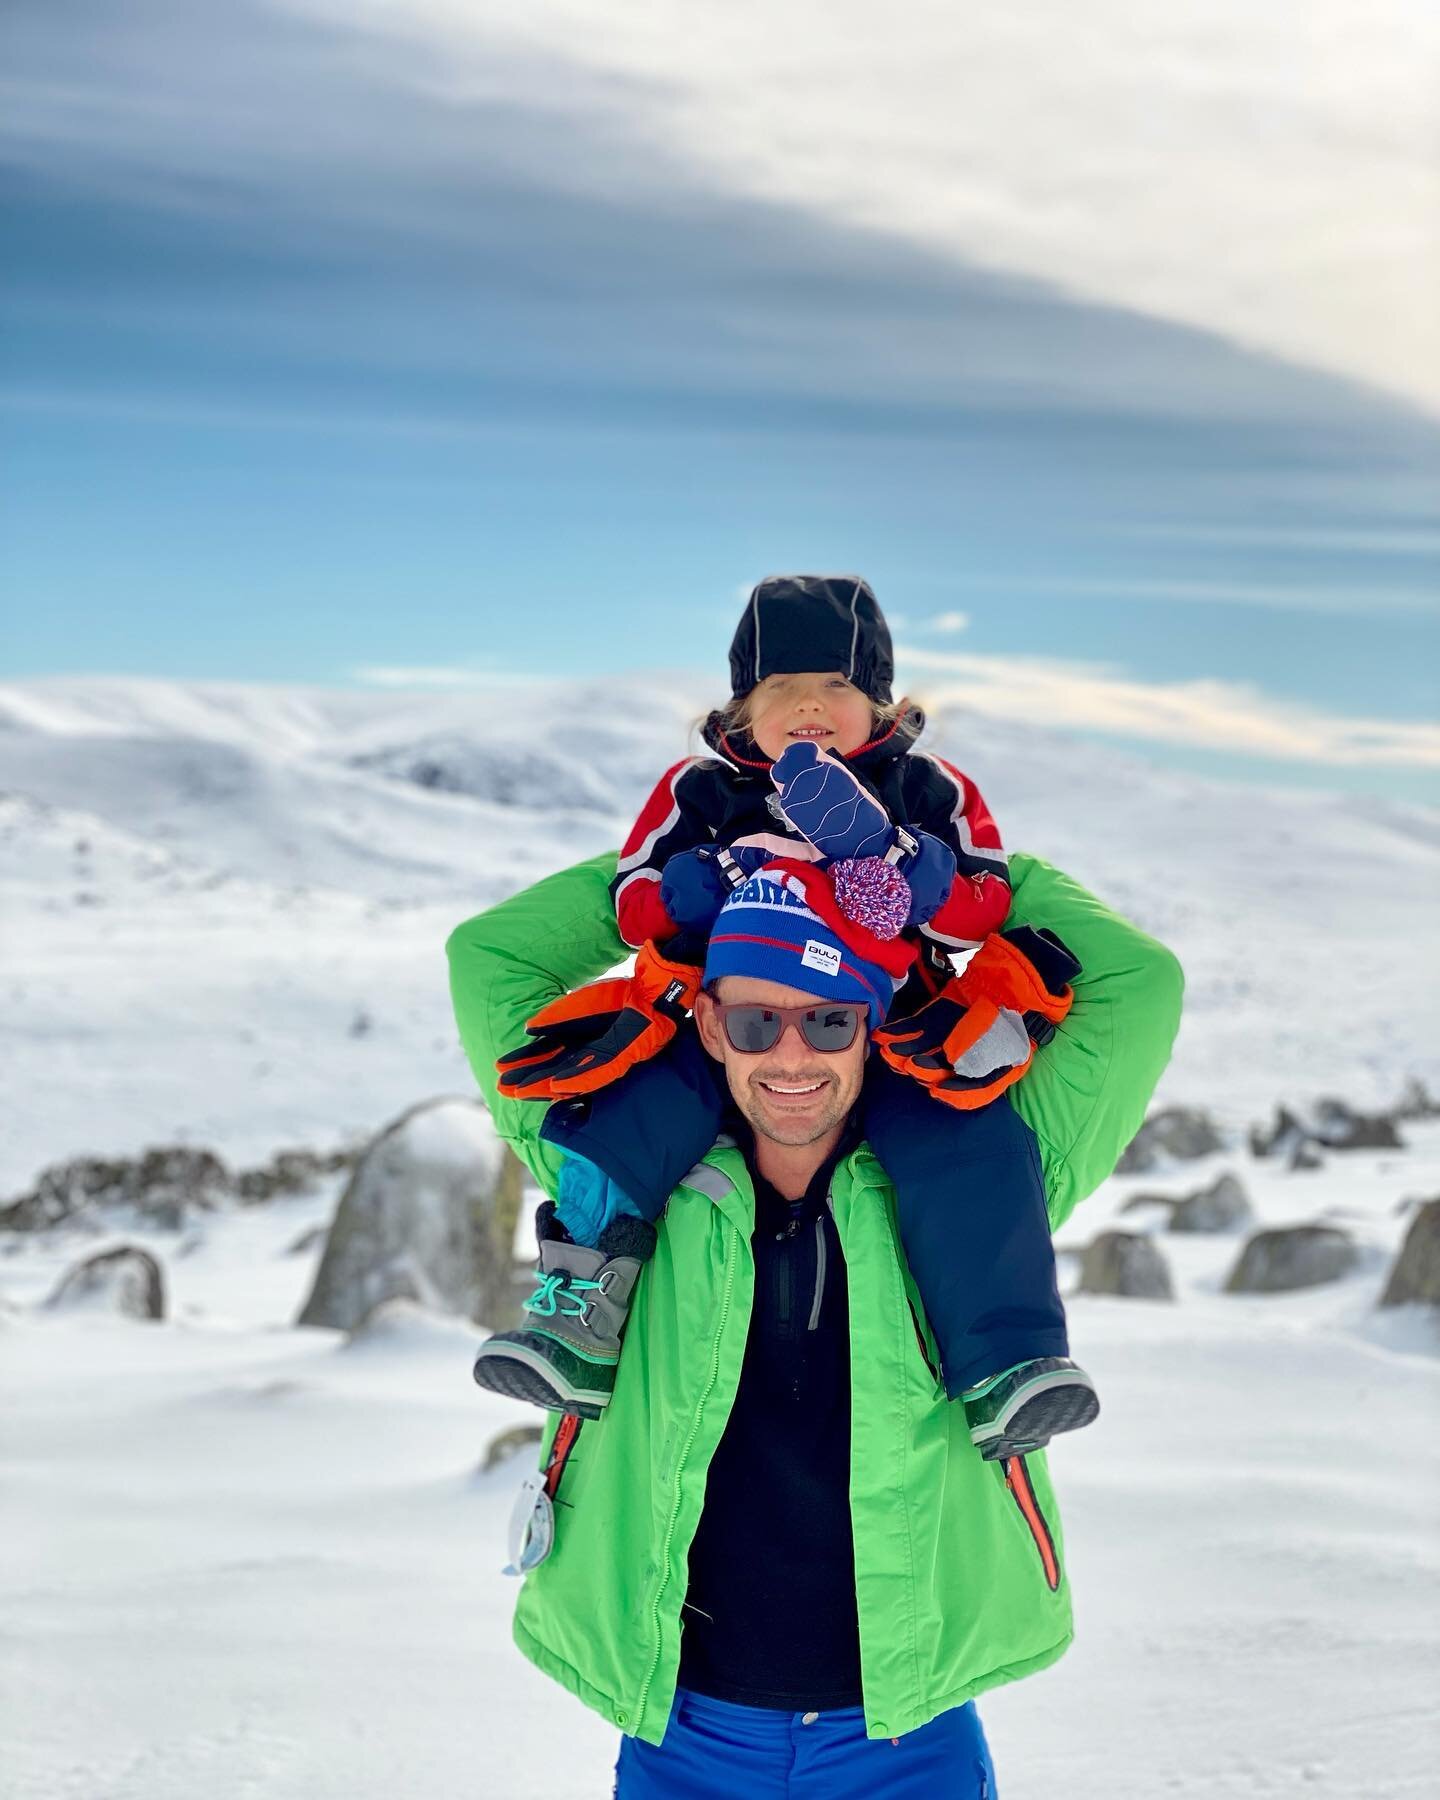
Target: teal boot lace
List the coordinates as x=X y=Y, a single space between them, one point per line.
x=560 y=1293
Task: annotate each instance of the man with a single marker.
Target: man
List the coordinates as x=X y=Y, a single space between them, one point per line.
x=778 y=1560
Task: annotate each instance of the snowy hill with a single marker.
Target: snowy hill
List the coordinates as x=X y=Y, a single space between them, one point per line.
x=225 y=905
x=267 y=1556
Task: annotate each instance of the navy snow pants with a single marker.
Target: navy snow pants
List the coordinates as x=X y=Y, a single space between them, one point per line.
x=714 y=1751
x=970 y=1194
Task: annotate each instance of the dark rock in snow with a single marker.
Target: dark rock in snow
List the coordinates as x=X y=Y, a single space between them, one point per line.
x=428 y=1215
x=307 y=1241
x=1415 y=1275
x=1293 y=1256
x=1281 y=1138
x=1339 y=1127
x=1139 y=1202
x=1178 y=1132
x=161 y=1186
x=508 y=1443
x=125 y=1280
x=1335 y=1126
x=291 y=1172
x=1416 y=1102
x=499 y=774
x=1127 y=1263
x=1223 y=1206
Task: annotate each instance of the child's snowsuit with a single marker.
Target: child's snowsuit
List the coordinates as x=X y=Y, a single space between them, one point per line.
x=982 y=1258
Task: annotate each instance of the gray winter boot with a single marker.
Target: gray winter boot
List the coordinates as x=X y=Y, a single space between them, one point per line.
x=564 y=1359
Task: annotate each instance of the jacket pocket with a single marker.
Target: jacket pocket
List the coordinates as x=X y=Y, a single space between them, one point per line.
x=1022 y=1492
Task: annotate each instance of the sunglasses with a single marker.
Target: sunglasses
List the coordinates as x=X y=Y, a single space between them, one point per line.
x=752 y=1030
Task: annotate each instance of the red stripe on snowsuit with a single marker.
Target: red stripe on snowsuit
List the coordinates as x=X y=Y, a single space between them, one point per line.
x=662 y=830
x=979 y=899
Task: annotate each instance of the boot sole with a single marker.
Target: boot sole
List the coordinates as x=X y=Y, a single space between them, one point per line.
x=513 y=1373
x=1037 y=1414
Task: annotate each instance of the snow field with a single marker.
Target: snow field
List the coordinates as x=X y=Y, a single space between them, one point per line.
x=258 y=1563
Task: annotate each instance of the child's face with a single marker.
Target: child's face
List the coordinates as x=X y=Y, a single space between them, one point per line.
x=819 y=709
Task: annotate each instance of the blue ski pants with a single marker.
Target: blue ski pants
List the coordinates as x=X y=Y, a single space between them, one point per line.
x=714 y=1750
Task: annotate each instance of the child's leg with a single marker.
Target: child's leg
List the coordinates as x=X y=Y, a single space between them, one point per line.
x=970 y=1201
x=565 y=1357
x=649 y=1129
x=971 y=1205
x=644 y=1133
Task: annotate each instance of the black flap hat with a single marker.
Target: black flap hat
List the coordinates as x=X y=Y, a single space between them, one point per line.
x=798 y=623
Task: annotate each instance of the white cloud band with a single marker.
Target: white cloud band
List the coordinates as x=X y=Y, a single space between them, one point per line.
x=1212 y=715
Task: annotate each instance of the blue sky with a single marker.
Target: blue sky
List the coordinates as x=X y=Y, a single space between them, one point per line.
x=335 y=356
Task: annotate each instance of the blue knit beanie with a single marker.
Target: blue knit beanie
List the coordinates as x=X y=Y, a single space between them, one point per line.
x=783 y=925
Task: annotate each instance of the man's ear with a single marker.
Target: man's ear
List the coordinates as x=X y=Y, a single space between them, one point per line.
x=707 y=1023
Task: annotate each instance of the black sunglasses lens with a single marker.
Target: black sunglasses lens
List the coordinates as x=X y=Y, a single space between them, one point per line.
x=752 y=1029
x=831 y=1028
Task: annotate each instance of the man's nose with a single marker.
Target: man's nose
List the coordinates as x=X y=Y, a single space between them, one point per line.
x=791 y=1046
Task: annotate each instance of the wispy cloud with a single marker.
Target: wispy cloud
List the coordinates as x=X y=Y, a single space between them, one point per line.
x=399 y=676
x=1233 y=717
x=841 y=233
x=1288 y=202
x=950 y=621
x=1293 y=596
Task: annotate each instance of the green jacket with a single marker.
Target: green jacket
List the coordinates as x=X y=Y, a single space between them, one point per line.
x=959 y=1575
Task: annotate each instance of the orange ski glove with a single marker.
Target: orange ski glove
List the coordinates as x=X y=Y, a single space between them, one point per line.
x=978 y=1035
x=587 y=1039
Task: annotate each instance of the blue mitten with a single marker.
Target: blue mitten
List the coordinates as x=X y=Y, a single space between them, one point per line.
x=693 y=889
x=694 y=885
x=828 y=806
x=589 y=1200
x=931 y=875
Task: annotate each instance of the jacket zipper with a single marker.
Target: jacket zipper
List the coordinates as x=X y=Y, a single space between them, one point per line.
x=561 y=1445
x=1017 y=1479
x=920 y=1340
x=814 y=1324
x=664 y=1571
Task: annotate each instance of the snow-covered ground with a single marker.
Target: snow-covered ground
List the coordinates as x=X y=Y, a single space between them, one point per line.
x=244 y=1560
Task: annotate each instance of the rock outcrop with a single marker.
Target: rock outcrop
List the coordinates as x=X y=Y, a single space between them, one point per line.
x=1126 y=1263
x=160 y=1188
x=1178 y=1133
x=429 y=1215
x=1293 y=1256
x=125 y=1280
x=1415 y=1274
x=1223 y=1206
x=1416 y=1102
x=1333 y=1125
x=1338 y=1126
x=291 y=1172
